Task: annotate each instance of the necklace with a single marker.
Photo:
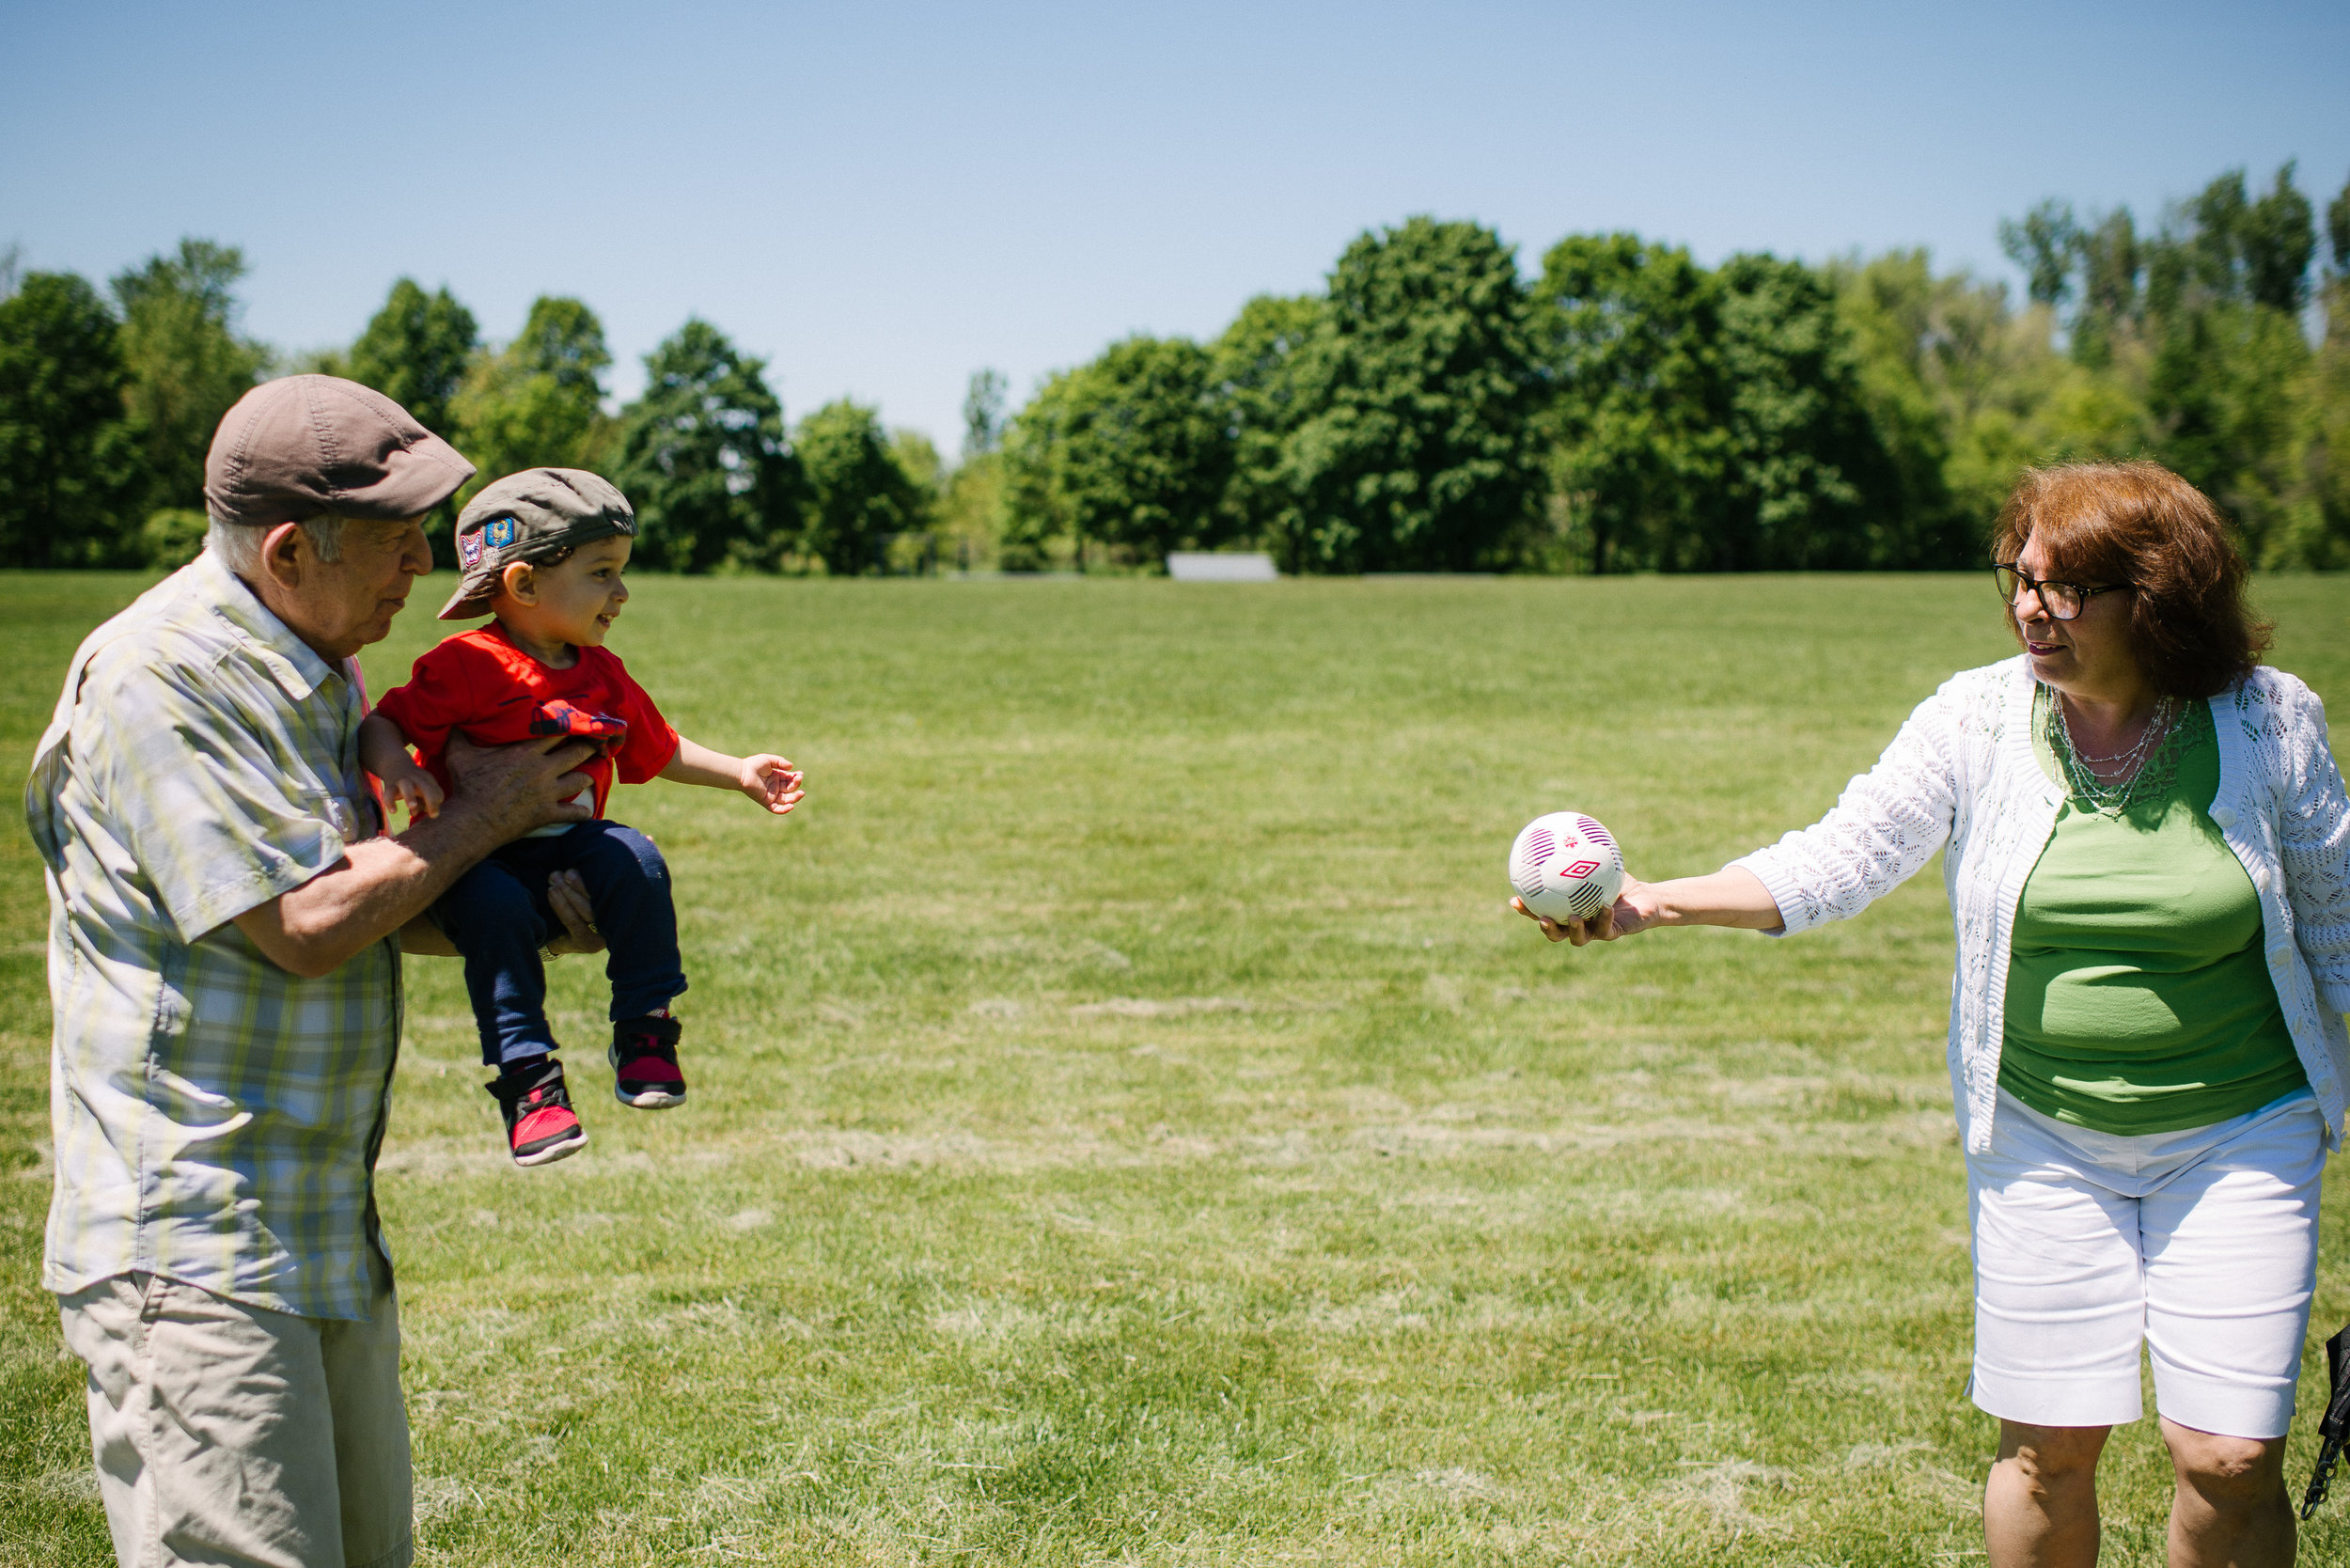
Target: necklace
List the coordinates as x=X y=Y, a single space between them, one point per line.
x=2151 y=763
x=2129 y=753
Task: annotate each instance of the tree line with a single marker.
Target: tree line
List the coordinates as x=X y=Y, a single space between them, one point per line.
x=1432 y=408
x=108 y=402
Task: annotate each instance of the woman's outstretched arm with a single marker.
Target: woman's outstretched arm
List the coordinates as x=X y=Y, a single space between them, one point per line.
x=1732 y=895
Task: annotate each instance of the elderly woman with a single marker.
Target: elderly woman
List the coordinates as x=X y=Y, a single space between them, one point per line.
x=2148 y=858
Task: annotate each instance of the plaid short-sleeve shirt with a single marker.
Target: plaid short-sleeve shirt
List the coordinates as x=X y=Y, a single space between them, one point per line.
x=216 y=1117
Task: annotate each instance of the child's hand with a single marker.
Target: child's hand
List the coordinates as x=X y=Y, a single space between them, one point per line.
x=772 y=781
x=767 y=778
x=419 y=791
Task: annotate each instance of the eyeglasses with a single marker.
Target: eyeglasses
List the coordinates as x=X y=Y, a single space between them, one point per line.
x=2062 y=600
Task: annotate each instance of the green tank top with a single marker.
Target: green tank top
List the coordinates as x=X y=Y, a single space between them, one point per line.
x=2138 y=994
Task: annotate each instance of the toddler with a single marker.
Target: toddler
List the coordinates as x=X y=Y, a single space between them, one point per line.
x=542 y=550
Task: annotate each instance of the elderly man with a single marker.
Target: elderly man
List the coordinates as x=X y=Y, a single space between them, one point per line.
x=224 y=970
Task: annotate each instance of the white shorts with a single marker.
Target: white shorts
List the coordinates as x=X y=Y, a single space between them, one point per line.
x=2200 y=1244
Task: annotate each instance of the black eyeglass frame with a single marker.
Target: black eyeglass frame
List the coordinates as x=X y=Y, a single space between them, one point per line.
x=2081 y=592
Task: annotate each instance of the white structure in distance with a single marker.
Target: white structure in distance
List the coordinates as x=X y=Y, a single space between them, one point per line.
x=1202 y=566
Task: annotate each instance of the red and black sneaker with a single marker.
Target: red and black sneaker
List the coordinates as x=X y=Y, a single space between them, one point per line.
x=644 y=1063
x=540 y=1126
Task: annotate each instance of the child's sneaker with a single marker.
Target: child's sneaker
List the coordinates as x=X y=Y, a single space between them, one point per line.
x=644 y=1063
x=540 y=1126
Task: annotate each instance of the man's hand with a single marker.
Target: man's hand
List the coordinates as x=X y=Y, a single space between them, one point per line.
x=566 y=895
x=382 y=885
x=772 y=781
x=510 y=790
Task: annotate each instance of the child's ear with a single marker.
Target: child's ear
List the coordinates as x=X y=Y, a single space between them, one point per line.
x=520 y=583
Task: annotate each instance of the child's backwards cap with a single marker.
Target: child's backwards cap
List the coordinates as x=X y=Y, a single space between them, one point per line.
x=530 y=516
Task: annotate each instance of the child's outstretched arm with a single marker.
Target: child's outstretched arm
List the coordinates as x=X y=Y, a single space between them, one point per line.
x=383 y=752
x=768 y=779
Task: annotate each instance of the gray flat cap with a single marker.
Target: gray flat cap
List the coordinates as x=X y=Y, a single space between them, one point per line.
x=299 y=446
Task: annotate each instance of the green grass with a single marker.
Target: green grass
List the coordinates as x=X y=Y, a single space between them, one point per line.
x=1128 y=1126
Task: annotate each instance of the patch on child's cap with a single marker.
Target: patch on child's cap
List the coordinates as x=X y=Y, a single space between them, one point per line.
x=469 y=550
x=498 y=532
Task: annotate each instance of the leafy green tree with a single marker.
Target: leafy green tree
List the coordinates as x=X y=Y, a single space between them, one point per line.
x=1901 y=318
x=970 y=510
x=2231 y=384
x=185 y=361
x=2329 y=413
x=2112 y=263
x=173 y=536
x=2338 y=231
x=1949 y=368
x=1810 y=482
x=973 y=512
x=1418 y=449
x=2100 y=264
x=704 y=461
x=2223 y=246
x=2195 y=340
x=983 y=414
x=2045 y=244
x=1636 y=423
x=1129 y=450
x=329 y=361
x=2277 y=238
x=415 y=351
x=539 y=401
x=859 y=496
x=918 y=456
x=72 y=468
x=2231 y=389
x=1034 y=512
x=1722 y=421
x=1253 y=381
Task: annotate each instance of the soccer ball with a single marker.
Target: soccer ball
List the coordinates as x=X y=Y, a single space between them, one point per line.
x=1566 y=865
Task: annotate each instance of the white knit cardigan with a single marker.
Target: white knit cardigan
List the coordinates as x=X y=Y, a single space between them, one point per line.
x=1963 y=771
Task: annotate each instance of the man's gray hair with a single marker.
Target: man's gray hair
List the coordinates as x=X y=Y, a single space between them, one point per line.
x=239 y=544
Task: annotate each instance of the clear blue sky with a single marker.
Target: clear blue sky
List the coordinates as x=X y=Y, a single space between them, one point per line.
x=882 y=199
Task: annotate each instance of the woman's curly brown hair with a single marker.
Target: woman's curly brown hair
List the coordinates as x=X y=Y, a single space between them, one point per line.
x=2191 y=627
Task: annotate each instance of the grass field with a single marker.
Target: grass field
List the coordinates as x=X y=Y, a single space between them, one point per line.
x=1129 y=1127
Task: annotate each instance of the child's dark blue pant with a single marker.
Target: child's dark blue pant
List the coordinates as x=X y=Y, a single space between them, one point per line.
x=498 y=916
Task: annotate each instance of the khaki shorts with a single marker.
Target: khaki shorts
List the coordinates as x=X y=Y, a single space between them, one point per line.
x=238 y=1437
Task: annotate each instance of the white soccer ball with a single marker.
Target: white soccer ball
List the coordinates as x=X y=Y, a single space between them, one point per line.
x=1566 y=865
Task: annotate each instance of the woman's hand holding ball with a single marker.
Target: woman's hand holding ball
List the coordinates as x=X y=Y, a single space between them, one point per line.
x=1635 y=909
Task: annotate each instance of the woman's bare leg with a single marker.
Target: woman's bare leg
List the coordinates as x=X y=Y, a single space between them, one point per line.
x=2040 y=1509
x=2230 y=1510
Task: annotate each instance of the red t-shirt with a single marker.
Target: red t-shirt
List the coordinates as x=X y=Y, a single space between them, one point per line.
x=483 y=686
